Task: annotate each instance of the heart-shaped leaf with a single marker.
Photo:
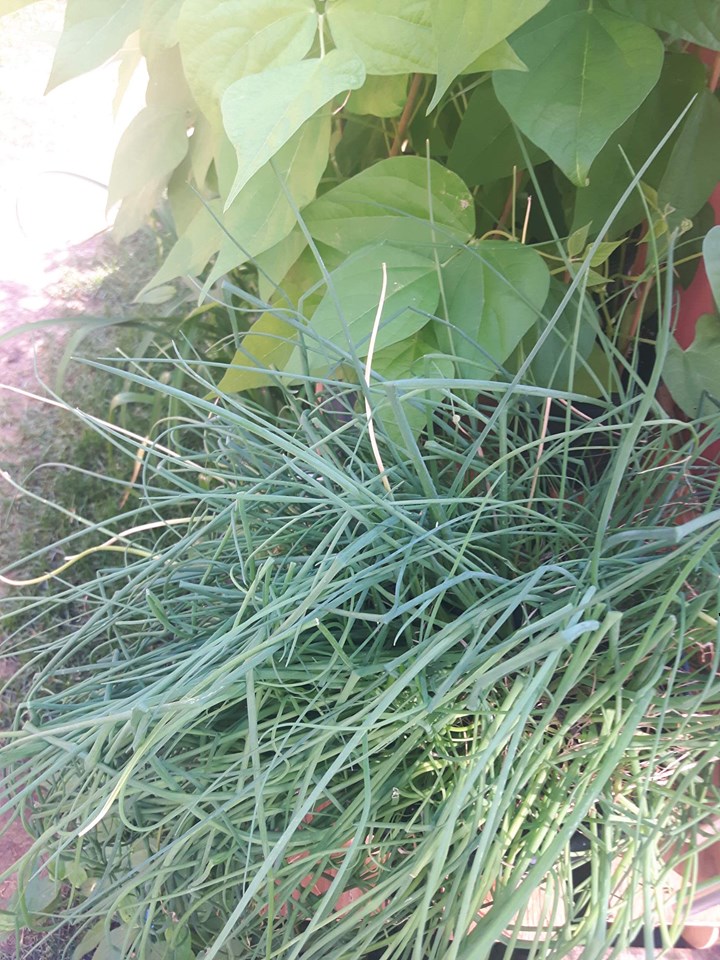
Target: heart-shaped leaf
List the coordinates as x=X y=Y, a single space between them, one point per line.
x=588 y=71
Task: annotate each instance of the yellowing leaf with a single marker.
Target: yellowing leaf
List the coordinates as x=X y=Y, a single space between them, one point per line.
x=267 y=346
x=262 y=112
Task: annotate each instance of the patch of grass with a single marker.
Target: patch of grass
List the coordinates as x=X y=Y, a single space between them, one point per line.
x=305 y=716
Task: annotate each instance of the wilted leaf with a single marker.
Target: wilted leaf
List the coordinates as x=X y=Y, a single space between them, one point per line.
x=588 y=71
x=262 y=112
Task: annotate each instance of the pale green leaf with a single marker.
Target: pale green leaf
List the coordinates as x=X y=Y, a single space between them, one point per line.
x=694 y=20
x=500 y=57
x=412 y=294
x=603 y=252
x=486 y=146
x=262 y=112
x=261 y=215
x=274 y=263
x=153 y=145
x=159 y=25
x=464 y=31
x=692 y=170
x=711 y=258
x=229 y=39
x=93 y=31
x=693 y=376
x=391 y=37
x=395 y=200
x=380 y=97
x=494 y=292
x=588 y=71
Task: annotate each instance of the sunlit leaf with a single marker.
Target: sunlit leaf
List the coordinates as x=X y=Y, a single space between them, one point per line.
x=262 y=112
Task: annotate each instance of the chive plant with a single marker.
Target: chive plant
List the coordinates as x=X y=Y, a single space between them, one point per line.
x=396 y=680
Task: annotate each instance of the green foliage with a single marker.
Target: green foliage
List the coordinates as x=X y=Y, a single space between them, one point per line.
x=692 y=375
x=290 y=134
x=305 y=716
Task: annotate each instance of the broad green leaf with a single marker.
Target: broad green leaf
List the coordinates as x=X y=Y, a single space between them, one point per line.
x=494 y=291
x=692 y=170
x=229 y=39
x=159 y=25
x=711 y=258
x=682 y=77
x=394 y=36
x=395 y=200
x=261 y=215
x=274 y=263
x=268 y=345
x=691 y=375
x=486 y=146
x=500 y=57
x=262 y=112
x=413 y=291
x=153 y=145
x=588 y=71
x=380 y=97
x=93 y=31
x=694 y=20
x=463 y=31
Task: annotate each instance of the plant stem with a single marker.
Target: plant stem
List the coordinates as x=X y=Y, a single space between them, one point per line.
x=406 y=115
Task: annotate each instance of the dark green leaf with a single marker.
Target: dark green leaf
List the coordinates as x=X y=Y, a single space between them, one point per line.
x=588 y=71
x=694 y=20
x=692 y=170
x=693 y=376
x=486 y=147
x=711 y=257
x=682 y=78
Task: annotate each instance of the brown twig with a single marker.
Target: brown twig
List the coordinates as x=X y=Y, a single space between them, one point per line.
x=406 y=115
x=509 y=202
